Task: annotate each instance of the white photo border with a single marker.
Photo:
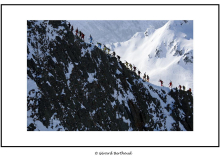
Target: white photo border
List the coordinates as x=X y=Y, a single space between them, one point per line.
x=14 y=72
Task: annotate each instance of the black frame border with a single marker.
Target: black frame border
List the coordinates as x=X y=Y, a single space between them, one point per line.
x=110 y=5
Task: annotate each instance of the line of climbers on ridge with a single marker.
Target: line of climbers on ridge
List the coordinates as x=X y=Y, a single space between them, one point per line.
x=78 y=33
x=171 y=85
x=145 y=77
x=128 y=65
x=82 y=35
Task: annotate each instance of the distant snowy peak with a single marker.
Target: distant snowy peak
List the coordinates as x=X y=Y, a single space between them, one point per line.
x=165 y=53
x=175 y=38
x=182 y=28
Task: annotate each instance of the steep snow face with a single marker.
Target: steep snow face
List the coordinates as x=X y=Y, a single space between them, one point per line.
x=165 y=53
x=111 y=31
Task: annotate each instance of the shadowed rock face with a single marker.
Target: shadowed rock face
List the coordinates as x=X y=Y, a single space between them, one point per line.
x=73 y=85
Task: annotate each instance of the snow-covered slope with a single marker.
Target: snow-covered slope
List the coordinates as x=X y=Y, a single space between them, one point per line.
x=111 y=31
x=75 y=86
x=165 y=53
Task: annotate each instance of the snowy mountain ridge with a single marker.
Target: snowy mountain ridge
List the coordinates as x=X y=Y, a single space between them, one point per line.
x=75 y=86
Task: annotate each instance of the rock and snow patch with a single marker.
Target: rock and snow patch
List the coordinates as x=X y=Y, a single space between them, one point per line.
x=91 y=77
x=118 y=72
x=70 y=68
x=87 y=50
x=82 y=106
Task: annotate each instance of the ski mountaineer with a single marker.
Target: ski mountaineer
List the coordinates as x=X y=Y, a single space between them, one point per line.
x=161 y=82
x=114 y=53
x=139 y=73
x=99 y=45
x=144 y=77
x=126 y=63
x=118 y=57
x=130 y=66
x=170 y=84
x=71 y=28
x=134 y=69
x=104 y=49
x=90 y=37
x=83 y=36
x=80 y=34
x=190 y=90
x=147 y=78
x=77 y=31
x=180 y=87
x=108 y=50
x=69 y=25
x=184 y=88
